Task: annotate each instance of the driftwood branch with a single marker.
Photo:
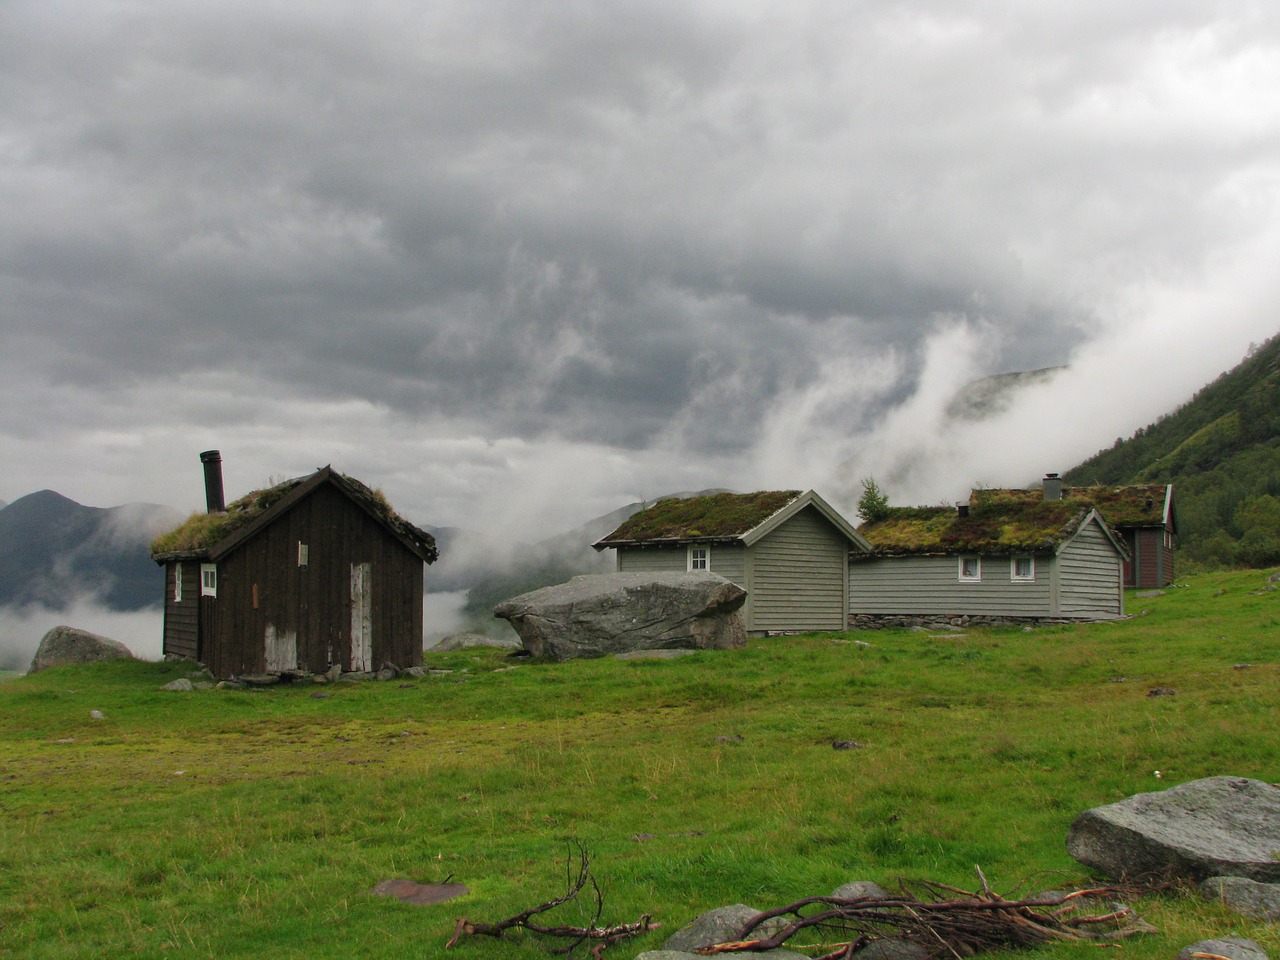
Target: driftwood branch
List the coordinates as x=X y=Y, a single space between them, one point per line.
x=947 y=922
x=575 y=883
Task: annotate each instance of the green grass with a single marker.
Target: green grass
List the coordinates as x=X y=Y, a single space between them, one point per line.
x=255 y=823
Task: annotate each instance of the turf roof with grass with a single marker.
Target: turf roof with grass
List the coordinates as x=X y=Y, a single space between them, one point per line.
x=998 y=521
x=201 y=533
x=717 y=516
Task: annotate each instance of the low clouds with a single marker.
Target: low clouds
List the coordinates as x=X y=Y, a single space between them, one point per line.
x=519 y=265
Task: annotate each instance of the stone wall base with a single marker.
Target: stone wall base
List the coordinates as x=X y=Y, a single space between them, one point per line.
x=929 y=621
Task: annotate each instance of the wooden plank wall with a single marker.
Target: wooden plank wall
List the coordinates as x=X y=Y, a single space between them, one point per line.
x=931 y=586
x=1090 y=572
x=181 y=622
x=798 y=576
x=314 y=602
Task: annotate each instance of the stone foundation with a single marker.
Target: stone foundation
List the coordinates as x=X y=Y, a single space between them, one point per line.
x=933 y=621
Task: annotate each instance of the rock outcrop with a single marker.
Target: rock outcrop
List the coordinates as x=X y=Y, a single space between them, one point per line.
x=602 y=614
x=63 y=645
x=1218 y=826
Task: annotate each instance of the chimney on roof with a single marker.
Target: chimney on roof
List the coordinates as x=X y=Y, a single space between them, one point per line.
x=962 y=509
x=1052 y=486
x=213 y=497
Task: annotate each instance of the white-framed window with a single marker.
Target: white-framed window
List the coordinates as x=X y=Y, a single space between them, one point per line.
x=970 y=569
x=177 y=583
x=699 y=557
x=208 y=580
x=304 y=554
x=1022 y=568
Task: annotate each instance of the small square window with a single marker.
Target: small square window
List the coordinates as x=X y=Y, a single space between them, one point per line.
x=971 y=569
x=208 y=580
x=1023 y=568
x=699 y=558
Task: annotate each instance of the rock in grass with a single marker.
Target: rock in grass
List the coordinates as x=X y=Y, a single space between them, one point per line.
x=1249 y=898
x=859 y=889
x=1218 y=826
x=64 y=645
x=1233 y=948
x=719 y=925
x=181 y=685
x=601 y=614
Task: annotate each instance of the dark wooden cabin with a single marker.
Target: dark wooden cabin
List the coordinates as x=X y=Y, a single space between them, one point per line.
x=296 y=578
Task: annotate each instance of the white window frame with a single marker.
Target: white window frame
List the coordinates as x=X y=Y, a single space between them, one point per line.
x=177 y=582
x=699 y=552
x=304 y=554
x=1013 y=568
x=208 y=579
x=976 y=576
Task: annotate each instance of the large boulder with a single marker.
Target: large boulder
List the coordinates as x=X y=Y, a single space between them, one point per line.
x=63 y=645
x=1219 y=826
x=601 y=614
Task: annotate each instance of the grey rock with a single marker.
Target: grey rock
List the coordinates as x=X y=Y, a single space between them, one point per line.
x=334 y=673
x=859 y=889
x=652 y=654
x=1234 y=948
x=181 y=685
x=417 y=672
x=229 y=685
x=260 y=679
x=64 y=645
x=667 y=955
x=601 y=614
x=386 y=673
x=719 y=925
x=1218 y=826
x=1249 y=898
x=97 y=715
x=468 y=641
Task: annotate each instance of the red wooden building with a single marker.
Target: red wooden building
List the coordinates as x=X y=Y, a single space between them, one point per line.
x=296 y=578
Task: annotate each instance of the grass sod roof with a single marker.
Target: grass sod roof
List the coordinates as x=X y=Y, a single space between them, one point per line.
x=995 y=524
x=717 y=516
x=1001 y=521
x=201 y=532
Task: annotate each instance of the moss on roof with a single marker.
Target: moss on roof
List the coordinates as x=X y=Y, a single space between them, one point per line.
x=1001 y=521
x=712 y=517
x=201 y=532
x=994 y=525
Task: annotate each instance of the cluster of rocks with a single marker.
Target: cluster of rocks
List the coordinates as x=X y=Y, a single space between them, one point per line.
x=887 y=621
x=1222 y=832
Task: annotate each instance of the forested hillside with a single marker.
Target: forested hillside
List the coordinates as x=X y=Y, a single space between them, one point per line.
x=1222 y=452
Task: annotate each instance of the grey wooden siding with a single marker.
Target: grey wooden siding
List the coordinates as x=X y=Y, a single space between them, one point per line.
x=1089 y=576
x=663 y=559
x=798 y=576
x=181 y=621
x=931 y=585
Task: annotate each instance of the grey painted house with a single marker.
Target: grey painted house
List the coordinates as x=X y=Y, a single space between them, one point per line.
x=1000 y=557
x=789 y=550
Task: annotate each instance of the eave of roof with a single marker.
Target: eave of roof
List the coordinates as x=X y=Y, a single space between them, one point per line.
x=212 y=536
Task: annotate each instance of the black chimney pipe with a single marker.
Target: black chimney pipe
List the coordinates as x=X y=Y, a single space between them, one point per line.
x=213 y=497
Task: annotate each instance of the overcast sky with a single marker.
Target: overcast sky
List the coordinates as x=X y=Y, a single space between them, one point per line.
x=519 y=263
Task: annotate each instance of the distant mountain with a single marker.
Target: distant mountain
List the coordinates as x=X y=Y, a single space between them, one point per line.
x=995 y=394
x=1221 y=450
x=54 y=551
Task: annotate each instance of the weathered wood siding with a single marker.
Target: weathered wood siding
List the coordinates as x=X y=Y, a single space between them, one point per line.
x=1089 y=576
x=798 y=576
x=1152 y=558
x=181 y=615
x=932 y=585
x=268 y=602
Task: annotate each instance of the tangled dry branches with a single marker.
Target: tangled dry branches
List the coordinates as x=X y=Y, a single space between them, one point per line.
x=947 y=922
x=574 y=885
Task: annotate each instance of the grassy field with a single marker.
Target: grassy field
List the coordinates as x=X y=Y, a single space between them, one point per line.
x=255 y=823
